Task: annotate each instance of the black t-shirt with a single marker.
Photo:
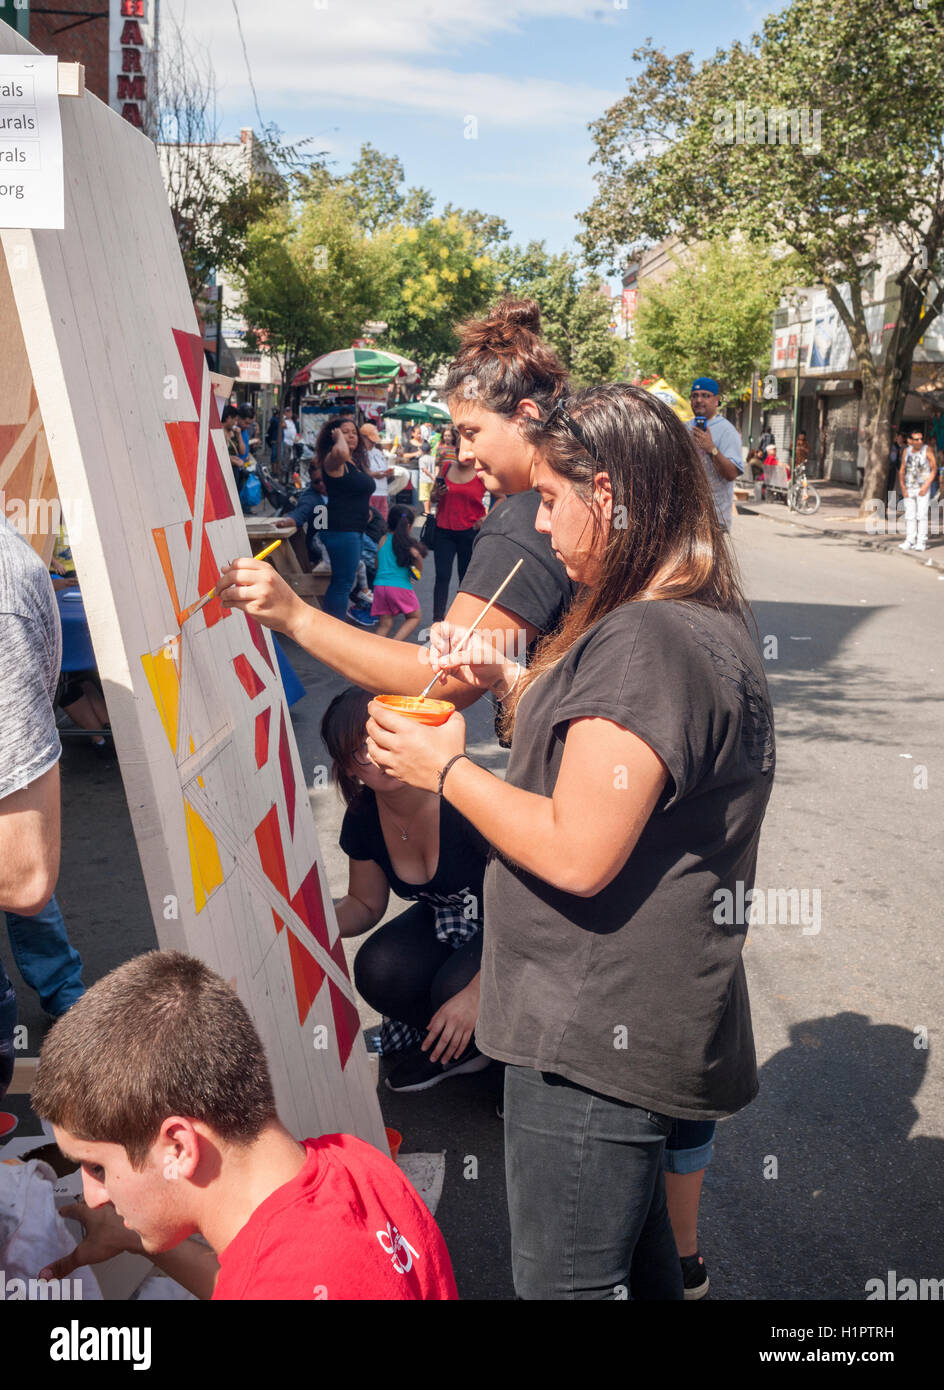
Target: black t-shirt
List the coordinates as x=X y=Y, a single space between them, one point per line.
x=540 y=591
x=462 y=853
x=349 y=499
x=655 y=953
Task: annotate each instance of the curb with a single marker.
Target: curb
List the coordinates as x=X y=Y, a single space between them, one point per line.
x=864 y=542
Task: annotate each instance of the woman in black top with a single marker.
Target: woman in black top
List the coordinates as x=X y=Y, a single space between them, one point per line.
x=504 y=379
x=348 y=486
x=421 y=971
x=625 y=836
x=504 y=375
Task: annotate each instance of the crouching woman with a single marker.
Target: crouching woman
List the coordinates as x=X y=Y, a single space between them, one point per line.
x=421 y=970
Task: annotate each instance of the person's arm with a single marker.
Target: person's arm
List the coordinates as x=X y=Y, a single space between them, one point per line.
x=193 y=1265
x=29 y=845
x=576 y=840
x=932 y=459
x=451 y=1027
x=727 y=461
x=368 y=893
x=378 y=664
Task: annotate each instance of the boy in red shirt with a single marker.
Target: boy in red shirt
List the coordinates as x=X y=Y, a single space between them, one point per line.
x=156 y=1083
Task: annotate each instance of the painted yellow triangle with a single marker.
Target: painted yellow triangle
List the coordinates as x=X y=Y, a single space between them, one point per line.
x=161 y=671
x=205 y=867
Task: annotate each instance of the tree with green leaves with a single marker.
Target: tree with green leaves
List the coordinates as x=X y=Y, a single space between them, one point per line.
x=310 y=281
x=575 y=316
x=437 y=274
x=826 y=130
x=712 y=315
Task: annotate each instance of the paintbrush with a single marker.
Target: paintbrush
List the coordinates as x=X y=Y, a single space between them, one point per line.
x=195 y=607
x=514 y=570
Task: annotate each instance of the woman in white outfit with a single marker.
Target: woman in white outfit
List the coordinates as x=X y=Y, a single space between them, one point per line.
x=916 y=476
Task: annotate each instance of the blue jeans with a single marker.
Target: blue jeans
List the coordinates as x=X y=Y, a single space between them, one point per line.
x=344 y=551
x=586 y=1193
x=45 y=958
x=690 y=1146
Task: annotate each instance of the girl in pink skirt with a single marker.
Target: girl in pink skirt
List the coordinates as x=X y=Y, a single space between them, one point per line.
x=399 y=559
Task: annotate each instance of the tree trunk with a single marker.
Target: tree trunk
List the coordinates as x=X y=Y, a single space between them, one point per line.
x=883 y=411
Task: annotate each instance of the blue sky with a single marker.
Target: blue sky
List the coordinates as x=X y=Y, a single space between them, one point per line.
x=407 y=74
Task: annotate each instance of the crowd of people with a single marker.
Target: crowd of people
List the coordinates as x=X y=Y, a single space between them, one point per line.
x=591 y=967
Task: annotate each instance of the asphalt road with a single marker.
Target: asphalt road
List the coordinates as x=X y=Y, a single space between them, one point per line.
x=834 y=1175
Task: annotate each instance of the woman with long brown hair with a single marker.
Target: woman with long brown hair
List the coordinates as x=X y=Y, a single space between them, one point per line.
x=642 y=760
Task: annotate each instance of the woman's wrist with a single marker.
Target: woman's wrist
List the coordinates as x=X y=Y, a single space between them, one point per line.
x=507 y=681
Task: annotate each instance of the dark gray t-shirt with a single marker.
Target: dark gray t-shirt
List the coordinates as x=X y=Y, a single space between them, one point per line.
x=639 y=992
x=30 y=657
x=541 y=590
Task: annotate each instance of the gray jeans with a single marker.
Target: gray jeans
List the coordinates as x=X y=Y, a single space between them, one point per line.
x=586 y=1193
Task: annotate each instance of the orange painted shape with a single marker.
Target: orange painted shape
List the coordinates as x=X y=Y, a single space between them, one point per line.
x=213 y=612
x=308 y=977
x=279 y=924
x=163 y=554
x=269 y=844
x=183 y=436
x=307 y=903
x=262 y=736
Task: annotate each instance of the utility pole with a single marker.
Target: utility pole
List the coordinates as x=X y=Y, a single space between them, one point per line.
x=755 y=378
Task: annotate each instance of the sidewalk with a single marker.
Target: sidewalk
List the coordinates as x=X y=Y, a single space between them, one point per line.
x=838 y=516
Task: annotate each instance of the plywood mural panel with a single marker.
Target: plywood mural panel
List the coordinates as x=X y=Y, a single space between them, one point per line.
x=217 y=794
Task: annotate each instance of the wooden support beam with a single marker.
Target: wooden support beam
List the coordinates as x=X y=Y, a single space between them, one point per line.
x=24 y=1074
x=72 y=79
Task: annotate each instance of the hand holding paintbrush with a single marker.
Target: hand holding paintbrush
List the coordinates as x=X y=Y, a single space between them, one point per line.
x=476 y=663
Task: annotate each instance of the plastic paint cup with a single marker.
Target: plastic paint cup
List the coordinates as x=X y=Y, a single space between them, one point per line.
x=424 y=711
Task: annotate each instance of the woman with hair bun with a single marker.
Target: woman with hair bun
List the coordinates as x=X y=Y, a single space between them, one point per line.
x=504 y=377
x=612 y=983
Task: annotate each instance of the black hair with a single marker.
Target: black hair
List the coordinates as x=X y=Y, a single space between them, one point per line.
x=399 y=521
x=343 y=730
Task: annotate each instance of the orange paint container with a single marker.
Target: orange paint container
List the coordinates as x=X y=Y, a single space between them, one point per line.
x=424 y=711
x=394 y=1139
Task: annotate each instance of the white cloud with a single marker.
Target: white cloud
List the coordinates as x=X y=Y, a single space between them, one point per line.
x=371 y=55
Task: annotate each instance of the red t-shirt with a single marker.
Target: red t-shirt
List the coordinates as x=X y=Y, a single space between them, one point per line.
x=349 y=1226
x=462 y=505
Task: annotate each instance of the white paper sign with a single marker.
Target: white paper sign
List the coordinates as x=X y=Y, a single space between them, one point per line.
x=31 y=175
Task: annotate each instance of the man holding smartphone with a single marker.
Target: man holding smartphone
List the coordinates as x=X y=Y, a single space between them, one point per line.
x=719 y=443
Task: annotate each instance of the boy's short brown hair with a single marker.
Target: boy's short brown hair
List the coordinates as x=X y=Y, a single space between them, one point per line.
x=162 y=1035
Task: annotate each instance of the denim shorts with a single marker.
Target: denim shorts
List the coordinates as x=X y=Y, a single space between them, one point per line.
x=690 y=1146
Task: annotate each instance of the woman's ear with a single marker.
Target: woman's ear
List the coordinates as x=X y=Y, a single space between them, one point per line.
x=527 y=407
x=603 y=496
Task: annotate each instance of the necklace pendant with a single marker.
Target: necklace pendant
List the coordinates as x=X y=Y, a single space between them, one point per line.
x=402 y=834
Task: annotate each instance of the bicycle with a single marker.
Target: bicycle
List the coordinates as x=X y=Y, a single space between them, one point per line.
x=802 y=496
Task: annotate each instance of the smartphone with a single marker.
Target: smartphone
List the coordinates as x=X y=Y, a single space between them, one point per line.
x=700 y=422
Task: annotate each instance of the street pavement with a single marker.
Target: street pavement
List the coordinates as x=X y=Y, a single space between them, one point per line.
x=834 y=1175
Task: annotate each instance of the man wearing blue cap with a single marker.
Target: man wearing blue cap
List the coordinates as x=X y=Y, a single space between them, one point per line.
x=720 y=444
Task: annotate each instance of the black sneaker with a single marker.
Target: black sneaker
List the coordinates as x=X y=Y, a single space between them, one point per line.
x=417 y=1073
x=694 y=1276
